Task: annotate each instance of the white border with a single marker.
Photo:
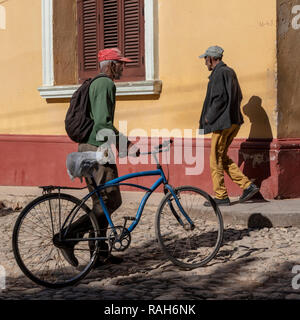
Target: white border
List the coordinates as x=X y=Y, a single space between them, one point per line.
x=148 y=87
x=149 y=39
x=2 y=18
x=47 y=42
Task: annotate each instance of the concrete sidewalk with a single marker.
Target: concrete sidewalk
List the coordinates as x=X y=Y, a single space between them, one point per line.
x=268 y=213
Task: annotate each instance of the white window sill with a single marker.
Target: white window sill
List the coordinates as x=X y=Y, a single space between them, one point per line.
x=149 y=87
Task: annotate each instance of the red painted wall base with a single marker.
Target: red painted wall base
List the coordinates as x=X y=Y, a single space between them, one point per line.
x=274 y=165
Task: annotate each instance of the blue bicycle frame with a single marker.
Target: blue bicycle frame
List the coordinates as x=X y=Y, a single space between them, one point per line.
x=118 y=182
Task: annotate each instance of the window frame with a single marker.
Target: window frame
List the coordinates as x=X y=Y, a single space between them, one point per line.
x=2 y=18
x=150 y=86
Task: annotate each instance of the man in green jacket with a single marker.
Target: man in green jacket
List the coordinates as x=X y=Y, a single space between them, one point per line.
x=222 y=116
x=102 y=95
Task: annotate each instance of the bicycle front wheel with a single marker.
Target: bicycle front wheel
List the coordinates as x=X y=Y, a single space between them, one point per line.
x=189 y=245
x=35 y=249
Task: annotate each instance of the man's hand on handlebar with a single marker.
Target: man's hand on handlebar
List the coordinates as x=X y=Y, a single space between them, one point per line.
x=133 y=150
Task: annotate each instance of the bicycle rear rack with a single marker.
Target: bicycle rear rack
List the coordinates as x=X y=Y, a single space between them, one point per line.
x=49 y=189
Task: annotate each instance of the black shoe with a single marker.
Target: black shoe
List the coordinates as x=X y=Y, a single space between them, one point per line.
x=108 y=260
x=67 y=250
x=68 y=253
x=105 y=257
x=219 y=202
x=249 y=193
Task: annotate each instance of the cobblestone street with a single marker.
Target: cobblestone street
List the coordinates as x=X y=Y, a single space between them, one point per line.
x=251 y=264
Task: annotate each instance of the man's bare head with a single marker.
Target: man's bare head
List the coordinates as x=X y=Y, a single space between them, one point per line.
x=112 y=68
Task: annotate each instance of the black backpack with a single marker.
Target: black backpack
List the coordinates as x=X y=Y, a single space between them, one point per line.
x=78 y=123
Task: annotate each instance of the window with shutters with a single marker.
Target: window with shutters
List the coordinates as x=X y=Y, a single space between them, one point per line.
x=107 y=24
x=132 y=25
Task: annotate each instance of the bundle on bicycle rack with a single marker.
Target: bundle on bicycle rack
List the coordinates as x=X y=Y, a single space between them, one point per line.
x=82 y=164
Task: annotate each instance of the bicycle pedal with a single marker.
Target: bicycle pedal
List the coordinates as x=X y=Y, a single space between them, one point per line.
x=129 y=218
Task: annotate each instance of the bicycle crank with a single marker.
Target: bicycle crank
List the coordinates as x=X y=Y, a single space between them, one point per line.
x=119 y=238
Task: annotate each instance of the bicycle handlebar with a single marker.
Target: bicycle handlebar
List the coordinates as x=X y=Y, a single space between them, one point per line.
x=164 y=144
x=158 y=149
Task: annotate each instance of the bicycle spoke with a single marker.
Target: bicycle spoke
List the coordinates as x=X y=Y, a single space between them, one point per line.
x=194 y=247
x=33 y=243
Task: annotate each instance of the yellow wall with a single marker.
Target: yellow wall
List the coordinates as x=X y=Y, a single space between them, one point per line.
x=247 y=32
x=22 y=110
x=245 y=29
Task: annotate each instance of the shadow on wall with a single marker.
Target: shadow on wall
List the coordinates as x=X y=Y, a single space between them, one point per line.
x=255 y=151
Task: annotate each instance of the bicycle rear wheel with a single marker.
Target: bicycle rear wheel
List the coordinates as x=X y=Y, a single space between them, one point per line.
x=33 y=240
x=186 y=246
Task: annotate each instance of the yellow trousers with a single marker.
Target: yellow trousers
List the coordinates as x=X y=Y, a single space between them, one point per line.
x=220 y=162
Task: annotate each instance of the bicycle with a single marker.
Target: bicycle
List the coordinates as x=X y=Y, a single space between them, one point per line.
x=188 y=233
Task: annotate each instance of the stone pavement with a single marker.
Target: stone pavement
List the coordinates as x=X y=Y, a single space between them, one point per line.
x=259 y=259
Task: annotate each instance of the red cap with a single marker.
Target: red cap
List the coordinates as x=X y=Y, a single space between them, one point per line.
x=111 y=54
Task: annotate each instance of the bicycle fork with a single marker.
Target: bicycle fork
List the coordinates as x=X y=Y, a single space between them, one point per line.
x=187 y=226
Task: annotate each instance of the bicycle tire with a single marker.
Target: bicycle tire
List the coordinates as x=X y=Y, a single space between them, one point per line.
x=33 y=242
x=186 y=247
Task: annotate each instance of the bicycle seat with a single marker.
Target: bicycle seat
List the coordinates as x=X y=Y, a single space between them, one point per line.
x=83 y=164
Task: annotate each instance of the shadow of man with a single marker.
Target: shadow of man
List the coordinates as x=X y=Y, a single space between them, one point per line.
x=255 y=151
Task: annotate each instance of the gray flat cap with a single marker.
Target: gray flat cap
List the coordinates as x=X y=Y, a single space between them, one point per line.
x=214 y=51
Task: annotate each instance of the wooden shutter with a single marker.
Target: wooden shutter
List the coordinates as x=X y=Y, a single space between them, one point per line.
x=88 y=35
x=133 y=38
x=107 y=24
x=110 y=27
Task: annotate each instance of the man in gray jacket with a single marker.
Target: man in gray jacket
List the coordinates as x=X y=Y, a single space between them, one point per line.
x=221 y=116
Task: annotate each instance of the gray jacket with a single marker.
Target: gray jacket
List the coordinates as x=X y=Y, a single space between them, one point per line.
x=223 y=99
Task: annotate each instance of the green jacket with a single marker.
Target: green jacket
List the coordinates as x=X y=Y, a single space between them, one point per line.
x=102 y=94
